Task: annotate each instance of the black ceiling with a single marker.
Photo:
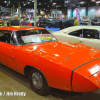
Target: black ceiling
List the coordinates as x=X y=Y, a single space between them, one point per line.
x=48 y=4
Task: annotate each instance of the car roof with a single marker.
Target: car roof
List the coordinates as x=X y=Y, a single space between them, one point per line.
x=16 y=28
x=73 y=28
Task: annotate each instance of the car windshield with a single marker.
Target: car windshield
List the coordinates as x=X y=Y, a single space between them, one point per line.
x=34 y=36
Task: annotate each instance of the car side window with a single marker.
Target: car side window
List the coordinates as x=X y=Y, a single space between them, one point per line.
x=92 y=34
x=5 y=36
x=77 y=33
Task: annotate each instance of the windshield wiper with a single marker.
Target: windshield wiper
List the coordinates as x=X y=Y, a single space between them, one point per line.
x=29 y=42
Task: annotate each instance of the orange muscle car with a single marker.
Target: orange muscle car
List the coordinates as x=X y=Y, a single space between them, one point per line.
x=35 y=53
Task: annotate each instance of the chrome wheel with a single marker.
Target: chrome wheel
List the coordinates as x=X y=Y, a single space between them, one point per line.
x=37 y=80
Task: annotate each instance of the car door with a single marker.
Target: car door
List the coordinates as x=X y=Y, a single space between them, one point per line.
x=72 y=37
x=90 y=38
x=7 y=50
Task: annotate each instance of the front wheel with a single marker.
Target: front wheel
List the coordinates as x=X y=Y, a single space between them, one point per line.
x=38 y=82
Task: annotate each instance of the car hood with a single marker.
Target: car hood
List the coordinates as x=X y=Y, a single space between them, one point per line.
x=60 y=52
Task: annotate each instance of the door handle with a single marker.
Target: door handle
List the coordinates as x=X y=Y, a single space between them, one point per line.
x=12 y=58
x=81 y=42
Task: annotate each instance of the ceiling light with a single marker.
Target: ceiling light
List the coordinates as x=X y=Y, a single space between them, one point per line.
x=28 y=2
x=97 y=1
x=5 y=1
x=24 y=5
x=50 y=1
x=92 y=0
x=54 y=3
x=39 y=3
x=9 y=1
x=82 y=2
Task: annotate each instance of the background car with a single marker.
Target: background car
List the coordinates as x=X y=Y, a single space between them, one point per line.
x=88 y=35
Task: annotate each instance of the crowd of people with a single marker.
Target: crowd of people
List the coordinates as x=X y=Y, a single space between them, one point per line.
x=25 y=22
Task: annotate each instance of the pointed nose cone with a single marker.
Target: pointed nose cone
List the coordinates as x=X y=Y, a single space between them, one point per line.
x=83 y=84
x=86 y=78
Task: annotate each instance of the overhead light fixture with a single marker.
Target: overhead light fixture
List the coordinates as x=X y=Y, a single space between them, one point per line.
x=24 y=5
x=58 y=5
x=97 y=1
x=39 y=3
x=28 y=2
x=82 y=2
x=9 y=1
x=92 y=0
x=5 y=1
x=54 y=3
x=50 y=1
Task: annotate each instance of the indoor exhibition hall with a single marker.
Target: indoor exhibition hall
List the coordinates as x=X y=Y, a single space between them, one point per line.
x=49 y=49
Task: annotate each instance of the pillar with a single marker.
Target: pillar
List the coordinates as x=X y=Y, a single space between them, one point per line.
x=35 y=11
x=86 y=11
x=19 y=11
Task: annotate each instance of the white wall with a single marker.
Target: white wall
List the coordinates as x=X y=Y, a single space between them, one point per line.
x=94 y=10
x=82 y=11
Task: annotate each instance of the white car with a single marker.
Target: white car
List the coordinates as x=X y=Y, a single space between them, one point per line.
x=88 y=35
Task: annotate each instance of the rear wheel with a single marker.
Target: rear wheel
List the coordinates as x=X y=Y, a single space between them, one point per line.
x=38 y=82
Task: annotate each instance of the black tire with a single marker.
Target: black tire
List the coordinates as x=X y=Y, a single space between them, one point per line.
x=39 y=89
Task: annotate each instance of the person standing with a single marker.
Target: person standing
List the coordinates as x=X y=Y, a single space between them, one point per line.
x=76 y=22
x=89 y=22
x=39 y=22
x=15 y=22
x=24 y=23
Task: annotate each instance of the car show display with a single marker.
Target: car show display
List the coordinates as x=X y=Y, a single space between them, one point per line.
x=50 y=49
x=34 y=52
